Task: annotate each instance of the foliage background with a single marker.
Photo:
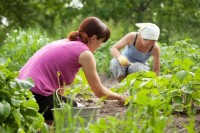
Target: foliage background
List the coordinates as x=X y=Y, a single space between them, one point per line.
x=177 y=19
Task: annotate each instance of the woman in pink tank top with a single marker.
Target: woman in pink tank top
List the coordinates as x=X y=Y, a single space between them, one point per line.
x=65 y=57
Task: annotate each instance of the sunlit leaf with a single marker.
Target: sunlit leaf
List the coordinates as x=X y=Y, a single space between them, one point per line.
x=142 y=98
x=143 y=84
x=16 y=102
x=196 y=95
x=33 y=104
x=150 y=74
x=76 y=90
x=187 y=63
x=20 y=130
x=2 y=112
x=181 y=75
x=7 y=108
x=29 y=111
x=187 y=89
x=16 y=114
x=154 y=91
x=26 y=83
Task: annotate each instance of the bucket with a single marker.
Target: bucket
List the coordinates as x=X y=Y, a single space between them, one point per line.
x=67 y=115
x=76 y=116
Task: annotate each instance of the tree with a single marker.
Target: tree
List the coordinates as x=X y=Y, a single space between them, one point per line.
x=176 y=18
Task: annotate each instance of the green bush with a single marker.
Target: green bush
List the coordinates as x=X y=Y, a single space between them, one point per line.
x=103 y=58
x=20 y=45
x=182 y=55
x=18 y=107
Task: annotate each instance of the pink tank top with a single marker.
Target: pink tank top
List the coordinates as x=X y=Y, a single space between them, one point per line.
x=57 y=57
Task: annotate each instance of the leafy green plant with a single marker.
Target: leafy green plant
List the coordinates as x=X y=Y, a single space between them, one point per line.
x=183 y=55
x=153 y=98
x=79 y=87
x=148 y=103
x=103 y=57
x=18 y=108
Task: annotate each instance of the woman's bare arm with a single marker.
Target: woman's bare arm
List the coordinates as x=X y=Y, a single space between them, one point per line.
x=88 y=63
x=126 y=40
x=156 y=59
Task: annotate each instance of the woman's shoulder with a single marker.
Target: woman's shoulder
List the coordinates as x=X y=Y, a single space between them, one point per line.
x=131 y=36
x=157 y=46
x=86 y=56
x=156 y=49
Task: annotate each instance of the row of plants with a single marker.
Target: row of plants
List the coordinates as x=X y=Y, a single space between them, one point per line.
x=154 y=100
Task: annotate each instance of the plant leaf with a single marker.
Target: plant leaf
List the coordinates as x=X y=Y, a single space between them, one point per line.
x=7 y=108
x=181 y=75
x=1 y=113
x=26 y=83
x=187 y=89
x=178 y=99
x=16 y=115
x=196 y=96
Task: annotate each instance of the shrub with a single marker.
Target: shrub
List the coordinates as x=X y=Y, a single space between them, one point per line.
x=20 y=45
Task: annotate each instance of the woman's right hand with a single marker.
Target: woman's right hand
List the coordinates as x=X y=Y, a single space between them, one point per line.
x=122 y=100
x=87 y=60
x=123 y=60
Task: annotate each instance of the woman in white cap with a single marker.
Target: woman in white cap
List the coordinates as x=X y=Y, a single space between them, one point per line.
x=139 y=46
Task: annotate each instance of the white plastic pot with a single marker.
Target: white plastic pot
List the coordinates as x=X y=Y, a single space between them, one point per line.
x=75 y=115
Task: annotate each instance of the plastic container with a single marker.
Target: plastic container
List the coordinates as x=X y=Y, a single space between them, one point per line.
x=78 y=116
x=67 y=116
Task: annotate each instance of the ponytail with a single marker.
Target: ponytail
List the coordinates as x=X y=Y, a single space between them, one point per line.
x=72 y=36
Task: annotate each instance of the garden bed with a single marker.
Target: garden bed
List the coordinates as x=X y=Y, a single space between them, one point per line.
x=112 y=108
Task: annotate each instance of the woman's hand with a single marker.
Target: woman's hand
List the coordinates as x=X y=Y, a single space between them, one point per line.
x=123 y=60
x=122 y=100
x=87 y=60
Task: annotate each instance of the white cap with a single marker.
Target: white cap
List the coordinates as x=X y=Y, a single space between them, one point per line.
x=149 y=31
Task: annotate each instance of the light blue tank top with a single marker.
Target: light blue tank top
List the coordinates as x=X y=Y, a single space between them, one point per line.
x=134 y=55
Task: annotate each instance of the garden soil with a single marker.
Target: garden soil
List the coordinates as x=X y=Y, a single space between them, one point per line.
x=112 y=108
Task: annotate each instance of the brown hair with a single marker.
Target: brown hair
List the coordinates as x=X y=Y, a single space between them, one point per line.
x=89 y=27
